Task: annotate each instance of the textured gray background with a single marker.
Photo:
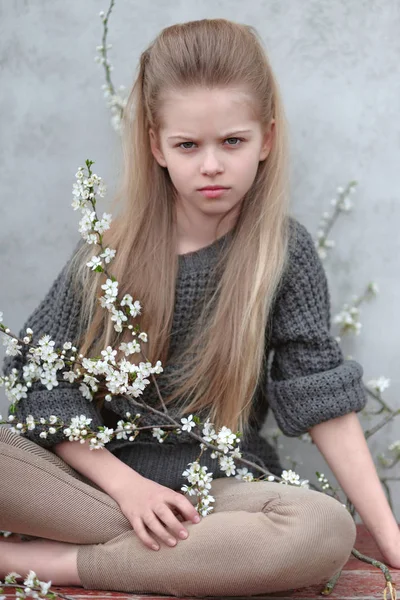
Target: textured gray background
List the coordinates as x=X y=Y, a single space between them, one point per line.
x=337 y=64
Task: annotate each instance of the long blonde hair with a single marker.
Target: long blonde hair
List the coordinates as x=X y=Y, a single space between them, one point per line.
x=232 y=328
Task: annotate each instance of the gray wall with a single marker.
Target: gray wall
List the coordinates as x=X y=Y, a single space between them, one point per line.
x=337 y=64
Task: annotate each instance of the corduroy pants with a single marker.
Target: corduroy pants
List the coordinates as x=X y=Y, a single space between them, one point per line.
x=262 y=537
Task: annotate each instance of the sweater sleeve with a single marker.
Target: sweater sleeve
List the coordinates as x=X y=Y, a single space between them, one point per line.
x=57 y=316
x=309 y=380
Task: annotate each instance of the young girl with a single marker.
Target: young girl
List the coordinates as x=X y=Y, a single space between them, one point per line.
x=227 y=280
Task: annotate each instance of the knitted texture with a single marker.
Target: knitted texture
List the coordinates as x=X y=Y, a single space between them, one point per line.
x=306 y=379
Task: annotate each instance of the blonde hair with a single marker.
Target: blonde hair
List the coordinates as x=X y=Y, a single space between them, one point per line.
x=222 y=378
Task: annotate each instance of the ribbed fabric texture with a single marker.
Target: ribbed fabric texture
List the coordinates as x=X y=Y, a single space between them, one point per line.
x=261 y=537
x=308 y=380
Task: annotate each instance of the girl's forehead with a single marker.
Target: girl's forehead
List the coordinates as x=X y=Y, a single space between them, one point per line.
x=225 y=107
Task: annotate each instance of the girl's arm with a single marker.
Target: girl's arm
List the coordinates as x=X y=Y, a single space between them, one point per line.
x=100 y=466
x=343 y=445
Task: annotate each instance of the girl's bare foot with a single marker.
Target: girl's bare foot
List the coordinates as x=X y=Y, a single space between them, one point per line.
x=55 y=561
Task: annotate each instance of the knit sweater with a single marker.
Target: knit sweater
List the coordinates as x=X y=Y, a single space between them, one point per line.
x=306 y=379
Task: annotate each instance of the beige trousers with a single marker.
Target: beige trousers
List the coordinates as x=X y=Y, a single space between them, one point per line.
x=262 y=537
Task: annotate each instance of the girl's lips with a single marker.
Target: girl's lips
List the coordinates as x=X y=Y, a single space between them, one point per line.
x=209 y=193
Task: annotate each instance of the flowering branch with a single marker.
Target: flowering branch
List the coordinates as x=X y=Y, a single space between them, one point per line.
x=115 y=101
x=33 y=588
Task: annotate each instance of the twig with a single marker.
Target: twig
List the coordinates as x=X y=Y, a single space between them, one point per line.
x=328 y=589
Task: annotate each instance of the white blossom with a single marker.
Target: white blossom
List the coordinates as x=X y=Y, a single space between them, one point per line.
x=395 y=446
x=104 y=224
x=227 y=464
x=109 y=355
x=111 y=292
x=70 y=376
x=158 y=433
x=118 y=317
x=108 y=255
x=130 y=347
x=188 y=424
x=290 y=477
x=244 y=474
x=49 y=378
x=380 y=384
x=94 y=263
x=85 y=391
x=12 y=347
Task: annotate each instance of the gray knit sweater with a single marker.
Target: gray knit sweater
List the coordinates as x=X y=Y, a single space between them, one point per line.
x=306 y=379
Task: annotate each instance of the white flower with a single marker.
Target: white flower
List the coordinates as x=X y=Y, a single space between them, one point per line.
x=94 y=263
x=395 y=446
x=104 y=224
x=188 y=423
x=118 y=316
x=108 y=255
x=244 y=474
x=158 y=433
x=30 y=422
x=85 y=391
x=11 y=577
x=134 y=307
x=1 y=317
x=67 y=346
x=345 y=205
x=111 y=288
x=17 y=392
x=45 y=587
x=101 y=190
x=86 y=223
x=70 y=376
x=105 y=435
x=227 y=464
x=12 y=347
x=49 y=378
x=373 y=288
x=109 y=354
x=130 y=347
x=290 y=477
x=380 y=384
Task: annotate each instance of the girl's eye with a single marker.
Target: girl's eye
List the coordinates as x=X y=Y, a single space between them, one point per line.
x=232 y=138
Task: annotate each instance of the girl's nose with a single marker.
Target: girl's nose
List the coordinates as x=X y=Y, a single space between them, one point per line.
x=211 y=165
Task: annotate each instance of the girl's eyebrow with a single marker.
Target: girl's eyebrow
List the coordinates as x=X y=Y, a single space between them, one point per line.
x=227 y=135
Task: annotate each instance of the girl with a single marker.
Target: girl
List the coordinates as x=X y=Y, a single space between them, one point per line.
x=227 y=280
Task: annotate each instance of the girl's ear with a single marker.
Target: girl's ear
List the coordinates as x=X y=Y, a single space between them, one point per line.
x=155 y=149
x=267 y=141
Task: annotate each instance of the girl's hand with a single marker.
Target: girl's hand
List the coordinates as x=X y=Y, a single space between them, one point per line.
x=391 y=555
x=146 y=503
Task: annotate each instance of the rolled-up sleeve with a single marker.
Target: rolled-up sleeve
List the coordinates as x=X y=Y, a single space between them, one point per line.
x=57 y=316
x=309 y=380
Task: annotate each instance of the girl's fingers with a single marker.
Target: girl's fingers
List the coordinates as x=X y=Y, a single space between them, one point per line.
x=152 y=522
x=167 y=516
x=186 y=509
x=142 y=534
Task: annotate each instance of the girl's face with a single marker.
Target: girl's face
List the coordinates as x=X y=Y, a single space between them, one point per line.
x=210 y=137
